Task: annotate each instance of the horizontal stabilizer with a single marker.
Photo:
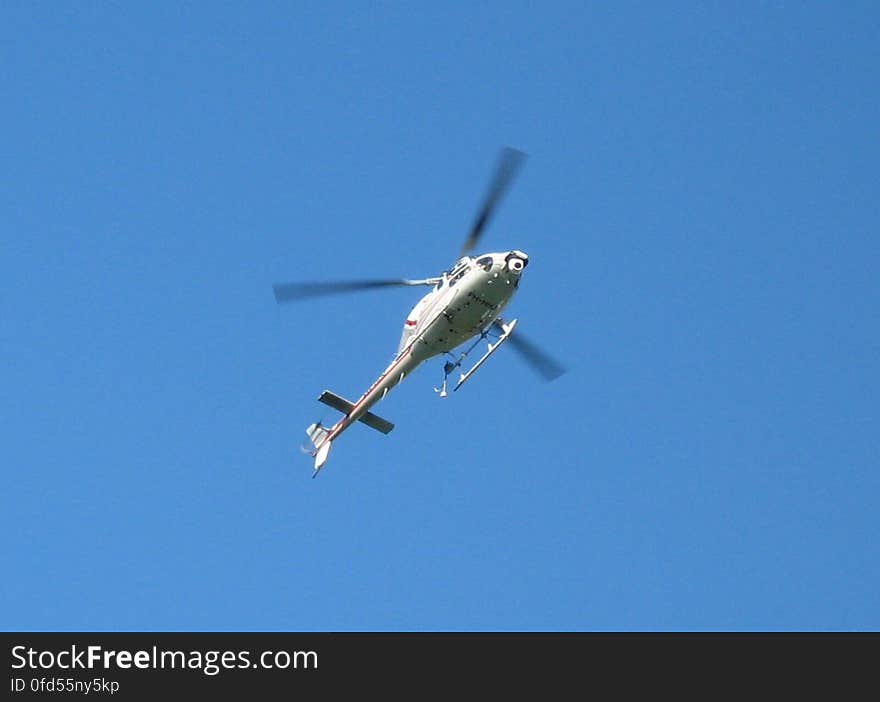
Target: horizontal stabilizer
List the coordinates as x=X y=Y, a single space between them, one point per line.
x=340 y=403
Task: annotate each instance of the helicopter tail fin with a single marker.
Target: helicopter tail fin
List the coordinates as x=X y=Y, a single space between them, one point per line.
x=318 y=435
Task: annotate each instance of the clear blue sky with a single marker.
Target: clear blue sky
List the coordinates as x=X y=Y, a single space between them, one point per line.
x=701 y=210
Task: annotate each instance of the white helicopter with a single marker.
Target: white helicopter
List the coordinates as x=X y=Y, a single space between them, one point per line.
x=465 y=301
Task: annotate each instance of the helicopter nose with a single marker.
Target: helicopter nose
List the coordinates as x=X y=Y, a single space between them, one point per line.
x=516 y=261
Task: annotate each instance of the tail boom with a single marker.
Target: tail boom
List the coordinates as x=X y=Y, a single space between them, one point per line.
x=322 y=436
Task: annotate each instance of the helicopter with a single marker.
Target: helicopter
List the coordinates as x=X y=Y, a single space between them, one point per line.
x=465 y=302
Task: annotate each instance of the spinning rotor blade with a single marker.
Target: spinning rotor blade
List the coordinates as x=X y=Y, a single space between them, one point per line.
x=292 y=292
x=509 y=161
x=545 y=366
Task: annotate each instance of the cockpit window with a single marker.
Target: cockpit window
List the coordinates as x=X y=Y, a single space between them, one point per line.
x=457 y=277
x=485 y=263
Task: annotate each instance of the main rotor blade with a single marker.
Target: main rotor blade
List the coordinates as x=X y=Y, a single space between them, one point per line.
x=509 y=162
x=292 y=292
x=539 y=361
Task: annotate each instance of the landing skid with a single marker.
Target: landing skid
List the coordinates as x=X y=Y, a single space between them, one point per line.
x=506 y=329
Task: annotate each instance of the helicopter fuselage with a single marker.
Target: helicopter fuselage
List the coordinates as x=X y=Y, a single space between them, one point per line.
x=466 y=301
